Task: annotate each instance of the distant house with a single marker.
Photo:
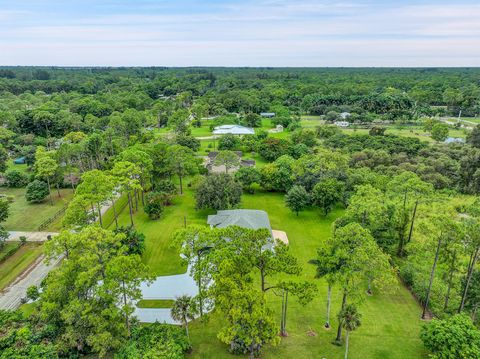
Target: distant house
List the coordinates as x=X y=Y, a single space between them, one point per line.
x=267 y=114
x=454 y=140
x=212 y=167
x=345 y=115
x=233 y=130
x=342 y=123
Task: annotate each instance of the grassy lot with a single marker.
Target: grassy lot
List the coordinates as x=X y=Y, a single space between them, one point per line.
x=390 y=325
x=155 y=303
x=17 y=263
x=26 y=216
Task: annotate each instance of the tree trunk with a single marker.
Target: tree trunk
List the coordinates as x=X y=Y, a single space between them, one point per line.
x=262 y=277
x=283 y=330
x=329 y=298
x=135 y=194
x=252 y=351
x=58 y=191
x=469 y=278
x=71 y=182
x=432 y=274
x=338 y=339
x=450 y=282
x=99 y=214
x=115 y=214
x=181 y=186
x=186 y=330
x=369 y=289
x=127 y=322
x=410 y=233
x=49 y=192
x=346 y=344
x=130 y=209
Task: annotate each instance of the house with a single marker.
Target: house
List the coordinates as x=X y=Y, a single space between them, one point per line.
x=267 y=114
x=344 y=115
x=454 y=140
x=246 y=218
x=212 y=167
x=233 y=130
x=341 y=123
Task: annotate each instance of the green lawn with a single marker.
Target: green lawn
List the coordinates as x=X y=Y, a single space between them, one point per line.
x=155 y=303
x=26 y=216
x=390 y=325
x=17 y=263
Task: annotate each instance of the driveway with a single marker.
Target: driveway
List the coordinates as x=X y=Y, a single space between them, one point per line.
x=10 y=297
x=31 y=236
x=165 y=287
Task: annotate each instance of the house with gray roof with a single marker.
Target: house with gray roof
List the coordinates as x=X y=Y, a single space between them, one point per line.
x=246 y=218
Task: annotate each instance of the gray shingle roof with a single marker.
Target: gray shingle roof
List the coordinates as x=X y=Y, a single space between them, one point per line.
x=247 y=218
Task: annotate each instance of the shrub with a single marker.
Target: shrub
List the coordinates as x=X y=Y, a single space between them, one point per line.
x=16 y=179
x=37 y=191
x=154 y=205
x=228 y=142
x=134 y=240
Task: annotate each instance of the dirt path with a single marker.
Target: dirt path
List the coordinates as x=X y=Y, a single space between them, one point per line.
x=11 y=297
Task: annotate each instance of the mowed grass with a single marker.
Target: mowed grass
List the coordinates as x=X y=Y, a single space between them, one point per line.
x=25 y=216
x=18 y=262
x=155 y=303
x=390 y=323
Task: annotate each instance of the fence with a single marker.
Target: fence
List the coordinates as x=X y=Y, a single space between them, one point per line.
x=50 y=220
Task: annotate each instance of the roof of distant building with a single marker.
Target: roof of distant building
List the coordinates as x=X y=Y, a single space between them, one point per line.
x=233 y=129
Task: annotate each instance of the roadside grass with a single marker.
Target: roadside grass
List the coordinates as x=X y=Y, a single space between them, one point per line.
x=25 y=216
x=8 y=246
x=155 y=303
x=18 y=262
x=390 y=323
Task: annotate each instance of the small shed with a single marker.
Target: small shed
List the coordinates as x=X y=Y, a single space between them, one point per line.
x=20 y=161
x=267 y=114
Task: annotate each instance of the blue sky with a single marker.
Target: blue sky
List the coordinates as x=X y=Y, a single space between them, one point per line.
x=240 y=33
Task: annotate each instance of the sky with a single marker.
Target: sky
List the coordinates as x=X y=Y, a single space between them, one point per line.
x=278 y=33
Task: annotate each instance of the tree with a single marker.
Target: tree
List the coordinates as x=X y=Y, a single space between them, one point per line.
x=440 y=132
x=252 y=119
x=350 y=319
x=454 y=337
x=247 y=176
x=473 y=137
x=218 y=191
x=227 y=158
x=89 y=297
x=133 y=240
x=297 y=199
x=127 y=175
x=228 y=142
x=36 y=191
x=472 y=299
x=184 y=309
x=45 y=167
x=3 y=159
x=272 y=148
x=96 y=187
x=182 y=162
x=4 y=209
x=326 y=193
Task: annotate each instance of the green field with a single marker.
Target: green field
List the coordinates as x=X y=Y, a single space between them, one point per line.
x=18 y=262
x=26 y=216
x=391 y=321
x=155 y=303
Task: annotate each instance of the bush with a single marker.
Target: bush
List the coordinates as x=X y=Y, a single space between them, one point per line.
x=155 y=341
x=16 y=179
x=37 y=191
x=154 y=205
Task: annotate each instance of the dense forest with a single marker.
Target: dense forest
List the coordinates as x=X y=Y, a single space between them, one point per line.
x=399 y=203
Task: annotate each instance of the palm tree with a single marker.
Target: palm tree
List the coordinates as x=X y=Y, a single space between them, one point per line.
x=350 y=320
x=184 y=309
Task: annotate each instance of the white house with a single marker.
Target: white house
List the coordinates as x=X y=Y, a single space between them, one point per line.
x=233 y=130
x=342 y=123
x=267 y=114
x=344 y=115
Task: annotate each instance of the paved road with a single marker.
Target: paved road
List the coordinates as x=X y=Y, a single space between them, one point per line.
x=10 y=297
x=31 y=236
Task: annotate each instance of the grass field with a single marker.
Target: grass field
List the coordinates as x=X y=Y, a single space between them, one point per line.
x=155 y=303
x=17 y=263
x=390 y=325
x=26 y=216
